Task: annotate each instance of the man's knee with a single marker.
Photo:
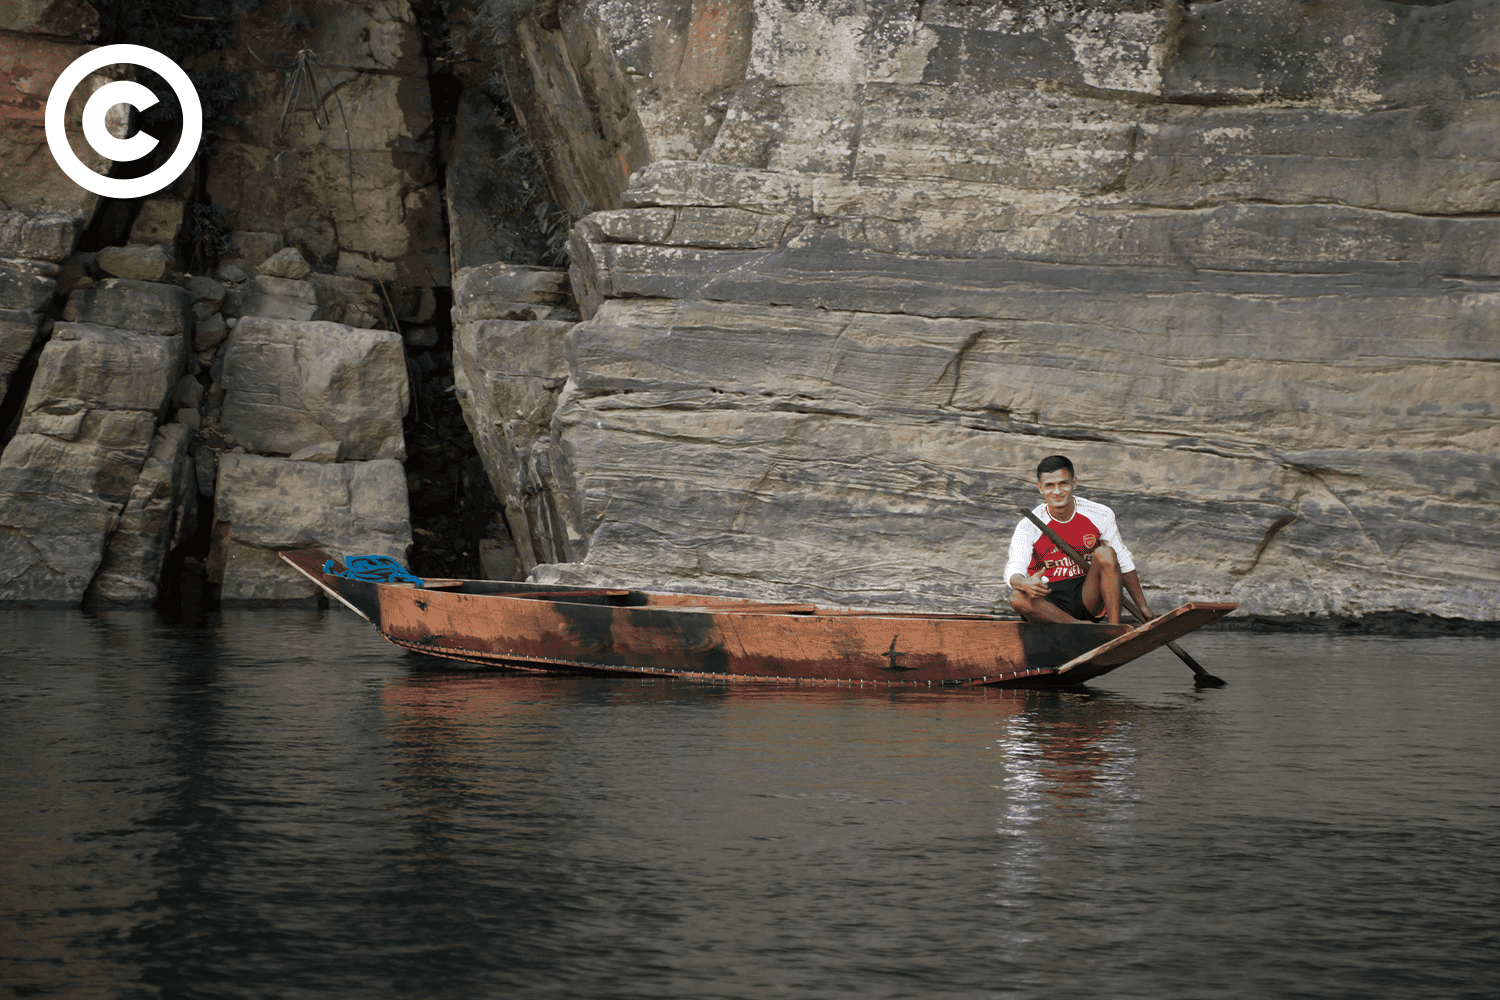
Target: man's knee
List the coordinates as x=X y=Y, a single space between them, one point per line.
x=1104 y=555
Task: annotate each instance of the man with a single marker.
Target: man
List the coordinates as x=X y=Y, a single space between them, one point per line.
x=1048 y=585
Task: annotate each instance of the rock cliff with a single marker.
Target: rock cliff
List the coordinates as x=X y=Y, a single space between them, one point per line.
x=1237 y=259
x=838 y=274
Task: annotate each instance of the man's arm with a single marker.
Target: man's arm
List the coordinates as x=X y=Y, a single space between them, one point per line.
x=1022 y=539
x=1033 y=585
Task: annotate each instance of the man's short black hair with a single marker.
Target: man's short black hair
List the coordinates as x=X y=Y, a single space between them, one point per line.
x=1054 y=462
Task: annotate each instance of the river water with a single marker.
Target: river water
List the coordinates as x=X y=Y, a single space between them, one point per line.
x=273 y=804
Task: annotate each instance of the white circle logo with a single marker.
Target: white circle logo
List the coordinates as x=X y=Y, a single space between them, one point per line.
x=99 y=137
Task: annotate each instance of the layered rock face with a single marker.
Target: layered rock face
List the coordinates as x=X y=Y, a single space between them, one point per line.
x=843 y=273
x=334 y=149
x=1236 y=259
x=140 y=392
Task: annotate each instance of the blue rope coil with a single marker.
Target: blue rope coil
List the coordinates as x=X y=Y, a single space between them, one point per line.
x=374 y=569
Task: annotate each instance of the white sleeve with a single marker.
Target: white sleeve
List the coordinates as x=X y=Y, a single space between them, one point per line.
x=1112 y=536
x=1022 y=542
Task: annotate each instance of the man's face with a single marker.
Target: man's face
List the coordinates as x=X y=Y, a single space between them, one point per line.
x=1057 y=490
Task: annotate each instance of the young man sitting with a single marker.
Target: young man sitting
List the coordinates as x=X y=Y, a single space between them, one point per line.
x=1048 y=585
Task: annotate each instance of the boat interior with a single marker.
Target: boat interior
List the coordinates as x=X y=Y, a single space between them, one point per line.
x=683 y=602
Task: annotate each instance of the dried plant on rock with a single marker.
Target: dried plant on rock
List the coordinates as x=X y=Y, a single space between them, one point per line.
x=304 y=74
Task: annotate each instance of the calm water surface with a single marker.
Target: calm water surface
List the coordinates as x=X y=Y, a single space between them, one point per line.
x=278 y=804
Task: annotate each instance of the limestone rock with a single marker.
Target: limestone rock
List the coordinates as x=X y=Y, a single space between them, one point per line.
x=508 y=375
x=163 y=310
x=290 y=385
x=38 y=236
x=509 y=291
x=265 y=505
x=347 y=300
x=210 y=332
x=159 y=221
x=750 y=433
x=31 y=182
x=160 y=513
x=1238 y=266
x=24 y=294
x=187 y=393
x=285 y=263
x=327 y=452
x=18 y=332
x=341 y=196
x=86 y=431
x=248 y=250
x=137 y=262
x=274 y=298
x=206 y=290
x=62 y=18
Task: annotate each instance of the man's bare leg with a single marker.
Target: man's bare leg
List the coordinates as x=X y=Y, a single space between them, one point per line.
x=1103 y=585
x=1039 y=609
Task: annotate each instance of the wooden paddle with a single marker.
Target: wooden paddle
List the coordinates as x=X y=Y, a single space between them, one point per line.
x=1201 y=677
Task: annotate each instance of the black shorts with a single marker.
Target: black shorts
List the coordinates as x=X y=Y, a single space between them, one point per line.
x=1068 y=595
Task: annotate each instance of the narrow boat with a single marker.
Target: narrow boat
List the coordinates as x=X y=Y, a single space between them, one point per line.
x=579 y=630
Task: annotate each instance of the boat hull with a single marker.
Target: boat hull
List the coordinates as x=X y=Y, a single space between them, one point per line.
x=631 y=632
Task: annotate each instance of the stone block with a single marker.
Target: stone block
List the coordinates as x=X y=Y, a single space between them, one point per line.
x=187 y=393
x=18 y=332
x=265 y=505
x=34 y=236
x=210 y=332
x=508 y=377
x=61 y=18
x=511 y=292
x=348 y=300
x=24 y=294
x=285 y=263
x=160 y=513
x=31 y=182
x=340 y=198
x=159 y=220
x=85 y=432
x=205 y=289
x=248 y=250
x=23 y=288
x=136 y=262
x=105 y=369
x=145 y=306
x=290 y=385
x=274 y=298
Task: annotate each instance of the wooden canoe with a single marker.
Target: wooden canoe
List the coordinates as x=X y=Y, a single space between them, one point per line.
x=536 y=627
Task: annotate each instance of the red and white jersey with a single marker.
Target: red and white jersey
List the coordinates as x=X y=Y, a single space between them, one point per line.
x=1091 y=523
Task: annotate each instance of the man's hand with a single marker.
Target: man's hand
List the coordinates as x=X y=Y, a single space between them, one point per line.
x=1034 y=585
